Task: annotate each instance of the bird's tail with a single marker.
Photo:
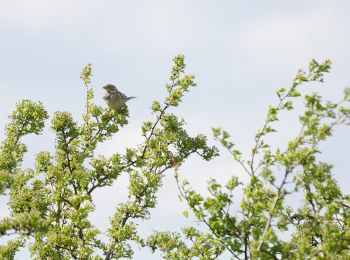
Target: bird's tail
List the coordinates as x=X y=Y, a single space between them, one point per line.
x=128 y=98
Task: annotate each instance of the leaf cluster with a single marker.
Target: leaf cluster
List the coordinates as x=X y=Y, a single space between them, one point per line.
x=50 y=204
x=265 y=225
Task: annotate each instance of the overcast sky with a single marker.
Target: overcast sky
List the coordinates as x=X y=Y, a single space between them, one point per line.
x=239 y=51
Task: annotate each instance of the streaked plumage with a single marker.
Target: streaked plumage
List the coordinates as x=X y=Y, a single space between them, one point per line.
x=114 y=98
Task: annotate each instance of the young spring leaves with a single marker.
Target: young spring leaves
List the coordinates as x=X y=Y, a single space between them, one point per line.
x=50 y=204
x=265 y=226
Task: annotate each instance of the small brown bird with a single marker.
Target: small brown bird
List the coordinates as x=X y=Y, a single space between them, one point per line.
x=114 y=98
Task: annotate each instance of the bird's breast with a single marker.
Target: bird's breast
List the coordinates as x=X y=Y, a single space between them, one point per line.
x=107 y=97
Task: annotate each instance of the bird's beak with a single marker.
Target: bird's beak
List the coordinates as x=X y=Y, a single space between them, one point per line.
x=105 y=87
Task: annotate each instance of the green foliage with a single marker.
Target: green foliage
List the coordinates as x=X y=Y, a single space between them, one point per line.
x=50 y=204
x=265 y=227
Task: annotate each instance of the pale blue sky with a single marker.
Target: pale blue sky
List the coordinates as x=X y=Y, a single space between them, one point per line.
x=239 y=51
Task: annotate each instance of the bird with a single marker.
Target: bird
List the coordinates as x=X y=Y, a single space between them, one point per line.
x=114 y=98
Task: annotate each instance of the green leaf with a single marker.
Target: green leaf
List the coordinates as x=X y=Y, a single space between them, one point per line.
x=185 y=213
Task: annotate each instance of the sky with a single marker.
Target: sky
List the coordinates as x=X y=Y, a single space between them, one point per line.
x=239 y=51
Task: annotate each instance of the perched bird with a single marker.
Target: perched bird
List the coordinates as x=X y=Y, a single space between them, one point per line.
x=114 y=98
